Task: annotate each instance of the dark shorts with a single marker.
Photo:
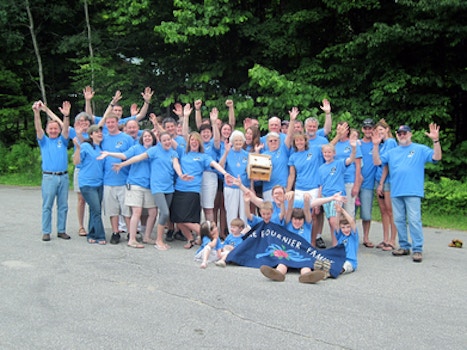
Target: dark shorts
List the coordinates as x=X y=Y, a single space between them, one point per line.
x=185 y=207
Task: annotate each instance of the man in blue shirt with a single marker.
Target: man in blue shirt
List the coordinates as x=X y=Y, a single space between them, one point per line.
x=407 y=168
x=54 y=154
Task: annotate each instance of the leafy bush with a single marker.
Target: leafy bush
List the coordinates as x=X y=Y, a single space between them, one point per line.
x=445 y=196
x=21 y=158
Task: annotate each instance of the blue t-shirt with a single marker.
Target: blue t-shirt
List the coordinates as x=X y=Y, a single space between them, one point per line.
x=235 y=165
x=120 y=143
x=181 y=145
x=306 y=164
x=280 y=168
x=232 y=240
x=139 y=173
x=407 y=168
x=91 y=171
x=343 y=151
x=206 y=240
x=304 y=231
x=368 y=167
x=383 y=148
x=331 y=178
x=263 y=140
x=54 y=153
x=162 y=171
x=193 y=163
x=350 y=243
x=212 y=151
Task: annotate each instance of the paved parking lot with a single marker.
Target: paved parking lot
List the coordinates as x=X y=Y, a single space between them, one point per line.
x=72 y=295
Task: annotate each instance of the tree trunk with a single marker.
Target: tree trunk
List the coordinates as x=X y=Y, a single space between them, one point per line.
x=37 y=52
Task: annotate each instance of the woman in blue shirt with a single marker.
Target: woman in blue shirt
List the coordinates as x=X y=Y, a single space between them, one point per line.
x=91 y=180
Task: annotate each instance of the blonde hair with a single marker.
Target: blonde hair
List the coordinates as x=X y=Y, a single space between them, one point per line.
x=197 y=136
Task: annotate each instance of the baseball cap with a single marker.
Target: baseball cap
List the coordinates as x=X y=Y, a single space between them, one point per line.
x=404 y=128
x=368 y=122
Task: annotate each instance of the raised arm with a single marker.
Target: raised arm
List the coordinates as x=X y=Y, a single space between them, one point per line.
x=293 y=116
x=147 y=96
x=434 y=136
x=376 y=139
x=253 y=197
x=88 y=94
x=307 y=207
x=77 y=153
x=246 y=199
x=50 y=114
x=36 y=107
x=326 y=108
x=198 y=116
x=65 y=110
x=349 y=218
x=232 y=120
x=216 y=133
x=186 y=120
x=117 y=97
x=223 y=159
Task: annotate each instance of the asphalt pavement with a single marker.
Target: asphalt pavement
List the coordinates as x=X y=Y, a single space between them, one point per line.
x=73 y=295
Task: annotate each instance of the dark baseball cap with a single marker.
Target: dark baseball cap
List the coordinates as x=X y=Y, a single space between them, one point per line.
x=404 y=128
x=368 y=122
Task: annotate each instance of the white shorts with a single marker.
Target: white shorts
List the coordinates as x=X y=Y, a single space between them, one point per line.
x=75 y=180
x=140 y=197
x=212 y=257
x=208 y=189
x=313 y=194
x=114 y=201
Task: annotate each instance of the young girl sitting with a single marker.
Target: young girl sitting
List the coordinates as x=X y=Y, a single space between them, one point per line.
x=210 y=250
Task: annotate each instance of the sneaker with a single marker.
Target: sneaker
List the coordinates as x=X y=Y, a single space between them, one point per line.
x=312 y=276
x=169 y=236
x=220 y=263
x=400 y=252
x=46 y=237
x=417 y=257
x=320 y=243
x=115 y=239
x=272 y=273
x=63 y=235
x=179 y=236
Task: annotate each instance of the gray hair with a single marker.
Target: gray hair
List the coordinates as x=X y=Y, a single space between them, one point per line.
x=312 y=120
x=237 y=133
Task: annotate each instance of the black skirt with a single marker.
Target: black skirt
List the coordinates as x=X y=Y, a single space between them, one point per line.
x=186 y=207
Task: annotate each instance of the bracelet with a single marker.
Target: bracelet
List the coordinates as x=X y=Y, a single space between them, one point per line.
x=437 y=141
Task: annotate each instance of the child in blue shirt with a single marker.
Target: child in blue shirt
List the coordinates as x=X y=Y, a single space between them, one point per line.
x=233 y=239
x=347 y=234
x=210 y=250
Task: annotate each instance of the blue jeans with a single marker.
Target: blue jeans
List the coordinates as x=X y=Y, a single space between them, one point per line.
x=408 y=209
x=54 y=186
x=93 y=196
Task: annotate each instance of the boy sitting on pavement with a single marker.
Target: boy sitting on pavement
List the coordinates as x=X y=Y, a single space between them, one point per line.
x=233 y=239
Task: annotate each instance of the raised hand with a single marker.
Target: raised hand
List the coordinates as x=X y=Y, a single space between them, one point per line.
x=326 y=107
x=117 y=97
x=134 y=110
x=65 y=108
x=147 y=94
x=229 y=103
x=187 y=109
x=88 y=93
x=434 y=132
x=198 y=104
x=293 y=113
x=178 y=109
x=213 y=116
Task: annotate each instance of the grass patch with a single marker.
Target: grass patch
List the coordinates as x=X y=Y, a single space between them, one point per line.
x=444 y=221
x=20 y=179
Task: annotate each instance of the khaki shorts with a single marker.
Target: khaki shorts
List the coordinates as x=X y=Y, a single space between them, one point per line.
x=114 y=201
x=137 y=196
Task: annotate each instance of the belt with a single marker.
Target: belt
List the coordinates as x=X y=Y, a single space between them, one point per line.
x=55 y=173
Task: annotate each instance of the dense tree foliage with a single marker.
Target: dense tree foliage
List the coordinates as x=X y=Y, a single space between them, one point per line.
x=401 y=60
